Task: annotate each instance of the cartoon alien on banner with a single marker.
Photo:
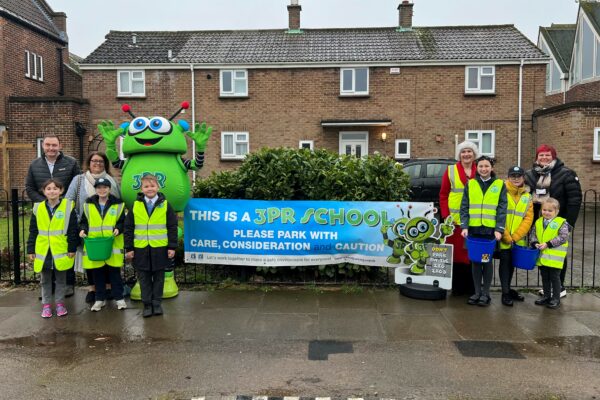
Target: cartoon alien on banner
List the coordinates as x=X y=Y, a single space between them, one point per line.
x=155 y=146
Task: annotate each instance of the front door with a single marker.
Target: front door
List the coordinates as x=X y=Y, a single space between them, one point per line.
x=354 y=143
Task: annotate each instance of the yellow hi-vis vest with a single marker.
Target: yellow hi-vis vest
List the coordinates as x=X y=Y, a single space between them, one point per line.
x=554 y=257
x=457 y=189
x=102 y=227
x=52 y=235
x=150 y=230
x=514 y=216
x=482 y=208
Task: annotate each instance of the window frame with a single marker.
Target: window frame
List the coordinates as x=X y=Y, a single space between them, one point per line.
x=40 y=64
x=400 y=156
x=234 y=156
x=28 y=64
x=576 y=67
x=478 y=90
x=353 y=91
x=479 y=139
x=311 y=144
x=596 y=148
x=233 y=93
x=121 y=93
x=39 y=146
x=551 y=68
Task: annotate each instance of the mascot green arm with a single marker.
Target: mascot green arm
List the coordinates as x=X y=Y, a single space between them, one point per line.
x=110 y=135
x=200 y=136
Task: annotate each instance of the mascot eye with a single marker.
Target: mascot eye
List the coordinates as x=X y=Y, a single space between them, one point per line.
x=423 y=227
x=138 y=125
x=160 y=125
x=413 y=232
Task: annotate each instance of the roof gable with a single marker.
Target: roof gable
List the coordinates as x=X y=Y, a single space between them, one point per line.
x=592 y=10
x=35 y=13
x=560 y=39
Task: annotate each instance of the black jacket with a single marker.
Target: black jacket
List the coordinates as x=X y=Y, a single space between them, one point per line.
x=84 y=224
x=72 y=236
x=151 y=258
x=564 y=187
x=65 y=169
x=500 y=210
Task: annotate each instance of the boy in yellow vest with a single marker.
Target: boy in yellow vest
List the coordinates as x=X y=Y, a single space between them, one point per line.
x=103 y=216
x=551 y=237
x=151 y=240
x=52 y=244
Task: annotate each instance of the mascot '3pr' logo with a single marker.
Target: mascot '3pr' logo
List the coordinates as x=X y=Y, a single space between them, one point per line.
x=137 y=179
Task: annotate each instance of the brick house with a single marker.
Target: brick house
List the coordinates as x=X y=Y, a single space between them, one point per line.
x=570 y=117
x=406 y=92
x=40 y=90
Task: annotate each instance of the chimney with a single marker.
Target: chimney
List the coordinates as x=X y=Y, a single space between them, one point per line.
x=406 y=13
x=294 y=16
x=60 y=21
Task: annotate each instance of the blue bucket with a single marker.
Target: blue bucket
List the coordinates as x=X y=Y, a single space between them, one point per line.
x=480 y=250
x=524 y=258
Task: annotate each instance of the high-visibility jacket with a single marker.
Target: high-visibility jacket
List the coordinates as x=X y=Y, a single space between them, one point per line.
x=514 y=216
x=551 y=257
x=150 y=230
x=52 y=235
x=455 y=196
x=103 y=227
x=482 y=207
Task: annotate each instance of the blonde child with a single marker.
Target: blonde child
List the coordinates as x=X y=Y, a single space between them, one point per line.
x=551 y=237
x=52 y=244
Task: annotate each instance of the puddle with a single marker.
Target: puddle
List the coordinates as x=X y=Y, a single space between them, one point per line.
x=583 y=346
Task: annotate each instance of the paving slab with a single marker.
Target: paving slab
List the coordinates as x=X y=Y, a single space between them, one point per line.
x=392 y=302
x=285 y=326
x=484 y=323
x=349 y=324
x=417 y=327
x=363 y=300
x=302 y=302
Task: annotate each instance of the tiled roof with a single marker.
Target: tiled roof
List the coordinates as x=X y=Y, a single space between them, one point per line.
x=498 y=42
x=592 y=9
x=560 y=39
x=33 y=13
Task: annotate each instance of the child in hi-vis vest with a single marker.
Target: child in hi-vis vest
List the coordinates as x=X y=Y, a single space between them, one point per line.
x=151 y=240
x=551 y=237
x=103 y=215
x=52 y=244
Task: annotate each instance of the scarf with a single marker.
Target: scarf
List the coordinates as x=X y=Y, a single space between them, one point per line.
x=90 y=179
x=544 y=181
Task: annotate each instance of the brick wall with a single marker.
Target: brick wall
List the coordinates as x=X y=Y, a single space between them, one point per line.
x=287 y=105
x=73 y=83
x=582 y=92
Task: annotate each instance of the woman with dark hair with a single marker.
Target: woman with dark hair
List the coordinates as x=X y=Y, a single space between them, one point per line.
x=550 y=178
x=96 y=166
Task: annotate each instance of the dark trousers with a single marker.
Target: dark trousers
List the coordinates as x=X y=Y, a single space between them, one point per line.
x=482 y=277
x=506 y=270
x=563 y=273
x=551 y=281
x=462 y=280
x=114 y=277
x=151 y=285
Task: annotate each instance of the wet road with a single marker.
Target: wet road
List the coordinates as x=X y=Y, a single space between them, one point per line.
x=373 y=344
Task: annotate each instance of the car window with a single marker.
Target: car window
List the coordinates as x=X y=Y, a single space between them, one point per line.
x=414 y=171
x=435 y=170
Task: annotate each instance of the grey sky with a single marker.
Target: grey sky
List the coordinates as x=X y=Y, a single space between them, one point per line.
x=90 y=20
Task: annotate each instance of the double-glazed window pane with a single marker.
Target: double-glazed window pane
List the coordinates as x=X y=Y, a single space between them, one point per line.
x=402 y=148
x=347 y=80
x=473 y=78
x=124 y=79
x=227 y=87
x=487 y=82
x=228 y=144
x=137 y=87
x=555 y=76
x=587 y=51
x=486 y=143
x=361 y=80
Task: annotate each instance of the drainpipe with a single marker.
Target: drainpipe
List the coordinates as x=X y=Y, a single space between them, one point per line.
x=456 y=147
x=193 y=119
x=520 y=112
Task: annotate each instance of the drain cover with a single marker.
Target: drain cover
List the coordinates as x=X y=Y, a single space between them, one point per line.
x=488 y=349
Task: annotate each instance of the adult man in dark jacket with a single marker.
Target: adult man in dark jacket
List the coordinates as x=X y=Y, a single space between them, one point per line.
x=52 y=164
x=550 y=178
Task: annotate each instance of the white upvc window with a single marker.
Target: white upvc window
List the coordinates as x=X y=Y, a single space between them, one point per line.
x=480 y=79
x=553 y=72
x=585 y=64
x=402 y=149
x=27 y=64
x=234 y=145
x=307 y=144
x=234 y=82
x=485 y=141
x=354 y=81
x=597 y=144
x=39 y=146
x=34 y=66
x=131 y=83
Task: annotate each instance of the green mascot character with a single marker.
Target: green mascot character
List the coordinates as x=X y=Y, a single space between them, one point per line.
x=156 y=146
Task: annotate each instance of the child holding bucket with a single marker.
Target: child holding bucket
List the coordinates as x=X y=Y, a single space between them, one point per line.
x=551 y=237
x=151 y=240
x=52 y=244
x=103 y=216
x=519 y=218
x=483 y=216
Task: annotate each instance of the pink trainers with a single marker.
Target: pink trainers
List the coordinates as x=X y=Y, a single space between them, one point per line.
x=46 y=311
x=61 y=310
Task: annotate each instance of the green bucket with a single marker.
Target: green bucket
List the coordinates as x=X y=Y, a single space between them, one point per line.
x=99 y=248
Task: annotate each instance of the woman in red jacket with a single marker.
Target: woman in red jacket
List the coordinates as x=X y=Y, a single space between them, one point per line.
x=453 y=184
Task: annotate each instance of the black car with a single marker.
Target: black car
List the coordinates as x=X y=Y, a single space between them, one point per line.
x=426 y=177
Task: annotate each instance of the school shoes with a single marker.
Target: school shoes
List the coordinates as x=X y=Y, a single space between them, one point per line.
x=98 y=305
x=516 y=295
x=507 y=300
x=553 y=304
x=90 y=297
x=484 y=301
x=158 y=310
x=542 y=302
x=147 y=311
x=473 y=300
x=69 y=291
x=563 y=292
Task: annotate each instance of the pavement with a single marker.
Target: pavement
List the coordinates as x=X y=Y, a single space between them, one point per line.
x=308 y=342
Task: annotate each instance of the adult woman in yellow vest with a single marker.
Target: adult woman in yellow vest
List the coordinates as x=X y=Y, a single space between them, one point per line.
x=103 y=215
x=551 y=237
x=52 y=244
x=451 y=193
x=483 y=215
x=519 y=217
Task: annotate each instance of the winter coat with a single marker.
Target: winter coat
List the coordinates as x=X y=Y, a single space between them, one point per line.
x=84 y=224
x=151 y=258
x=564 y=187
x=521 y=232
x=65 y=169
x=445 y=188
x=79 y=185
x=500 y=210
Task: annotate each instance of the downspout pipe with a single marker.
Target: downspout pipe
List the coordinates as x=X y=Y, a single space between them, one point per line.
x=520 y=132
x=193 y=118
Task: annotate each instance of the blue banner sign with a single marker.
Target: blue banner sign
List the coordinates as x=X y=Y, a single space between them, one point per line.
x=293 y=233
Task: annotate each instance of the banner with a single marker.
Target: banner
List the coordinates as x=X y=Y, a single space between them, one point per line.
x=295 y=233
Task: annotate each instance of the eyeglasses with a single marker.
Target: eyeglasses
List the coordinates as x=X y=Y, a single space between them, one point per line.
x=97 y=161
